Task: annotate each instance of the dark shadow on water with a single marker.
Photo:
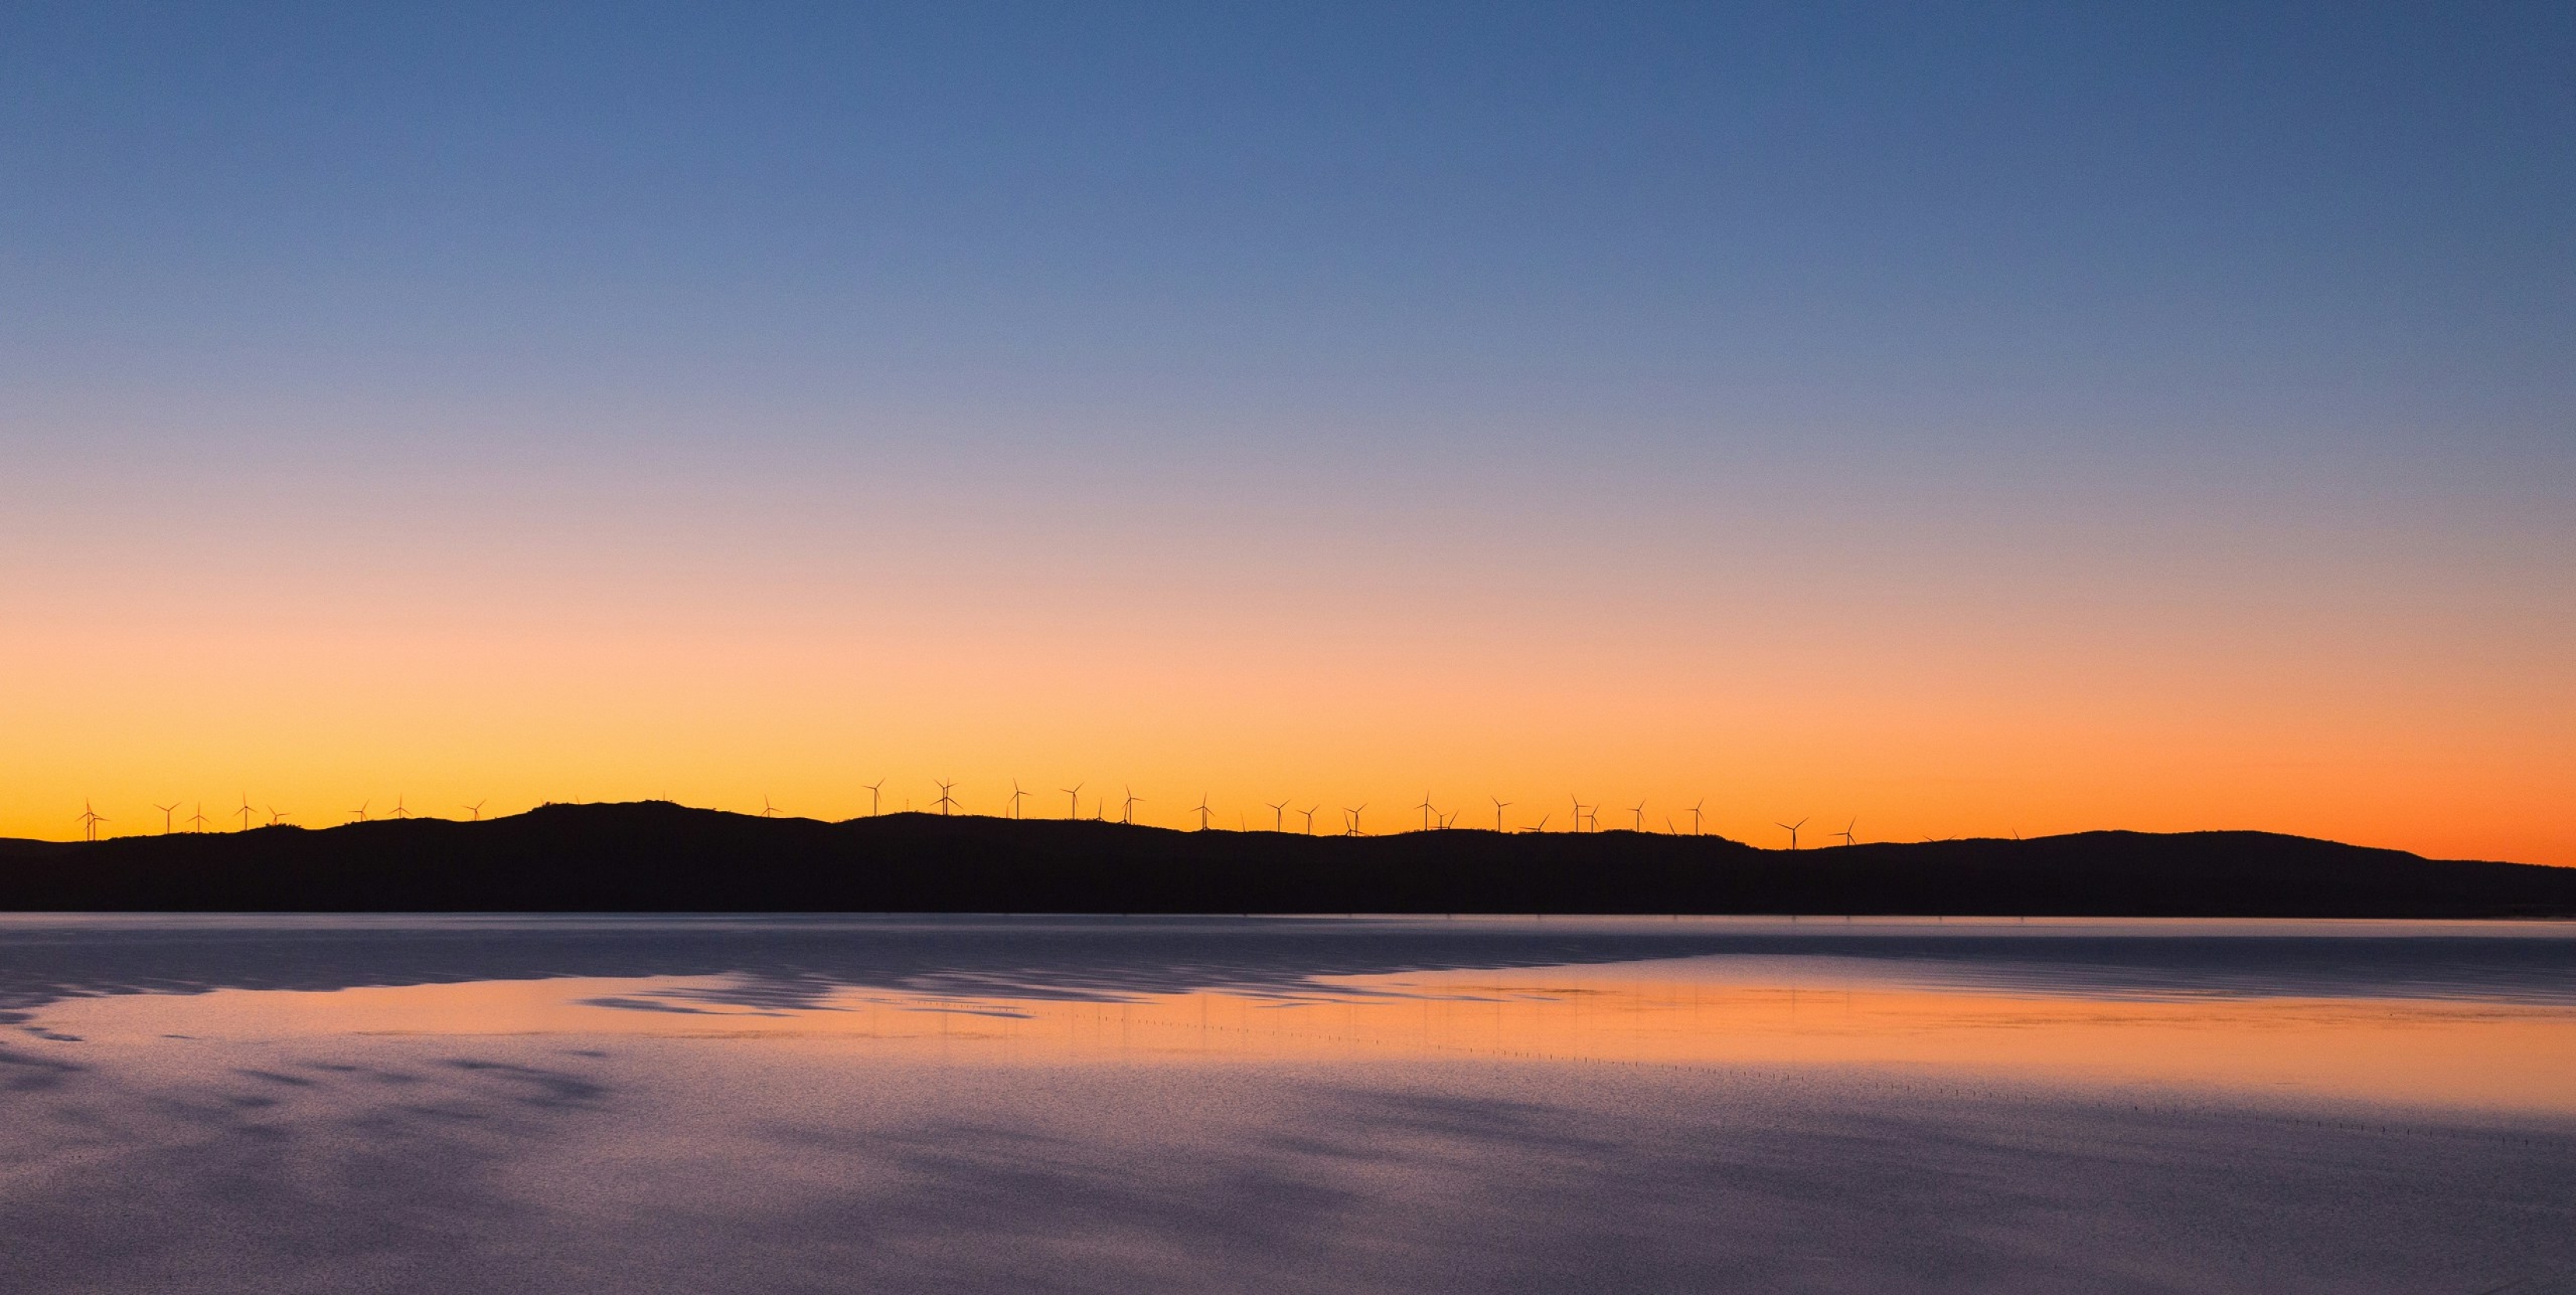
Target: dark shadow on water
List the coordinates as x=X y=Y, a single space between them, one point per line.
x=408 y=1166
x=794 y=963
x=645 y=1005
x=520 y=1177
x=20 y=1073
x=315 y=1176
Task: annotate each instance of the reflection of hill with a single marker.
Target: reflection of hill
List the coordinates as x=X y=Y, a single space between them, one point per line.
x=796 y=961
x=656 y=856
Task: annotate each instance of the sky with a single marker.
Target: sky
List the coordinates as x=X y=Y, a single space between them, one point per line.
x=1931 y=420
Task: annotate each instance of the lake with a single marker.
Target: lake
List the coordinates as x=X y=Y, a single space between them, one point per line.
x=577 y=1104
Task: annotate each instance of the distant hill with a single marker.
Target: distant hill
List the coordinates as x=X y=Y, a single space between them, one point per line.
x=660 y=857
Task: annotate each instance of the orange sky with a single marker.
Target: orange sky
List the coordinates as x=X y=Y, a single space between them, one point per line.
x=1963 y=422
x=315 y=658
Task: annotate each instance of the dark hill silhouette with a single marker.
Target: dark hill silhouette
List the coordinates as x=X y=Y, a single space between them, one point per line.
x=660 y=857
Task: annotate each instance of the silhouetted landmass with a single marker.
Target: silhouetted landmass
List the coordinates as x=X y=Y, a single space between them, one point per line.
x=660 y=857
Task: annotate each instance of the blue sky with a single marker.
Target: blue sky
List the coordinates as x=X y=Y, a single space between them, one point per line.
x=1939 y=218
x=2247 y=324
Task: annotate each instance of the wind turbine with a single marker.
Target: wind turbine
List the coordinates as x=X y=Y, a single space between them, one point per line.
x=1310 y=819
x=166 y=811
x=1542 y=822
x=1073 y=800
x=244 y=811
x=1792 y=830
x=873 y=798
x=1427 y=811
x=1127 y=808
x=1639 y=823
x=1278 y=816
x=199 y=820
x=767 y=810
x=1355 y=818
x=1500 y=805
x=275 y=816
x=1846 y=833
x=399 y=811
x=1695 y=816
x=90 y=819
x=360 y=813
x=475 y=809
x=1203 y=811
x=1016 y=796
x=947 y=804
x=1578 y=812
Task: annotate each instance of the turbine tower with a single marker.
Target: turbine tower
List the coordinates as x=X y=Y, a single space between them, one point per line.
x=166 y=811
x=1202 y=811
x=1278 y=816
x=947 y=804
x=1017 y=796
x=1072 y=800
x=1792 y=830
x=1127 y=808
x=1427 y=811
x=1310 y=819
x=244 y=811
x=199 y=820
x=1500 y=805
x=873 y=798
x=1355 y=819
x=1639 y=822
x=1695 y=816
x=89 y=820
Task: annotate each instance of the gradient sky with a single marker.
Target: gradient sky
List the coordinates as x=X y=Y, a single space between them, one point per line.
x=1970 y=419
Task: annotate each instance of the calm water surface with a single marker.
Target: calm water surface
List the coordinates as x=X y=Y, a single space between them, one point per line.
x=818 y=1104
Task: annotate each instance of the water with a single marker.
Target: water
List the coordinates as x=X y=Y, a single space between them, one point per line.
x=812 y=1104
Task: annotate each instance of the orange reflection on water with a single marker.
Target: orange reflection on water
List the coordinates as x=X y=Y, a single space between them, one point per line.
x=1695 y=1012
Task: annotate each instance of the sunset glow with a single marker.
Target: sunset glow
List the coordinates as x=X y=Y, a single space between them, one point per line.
x=1974 y=446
